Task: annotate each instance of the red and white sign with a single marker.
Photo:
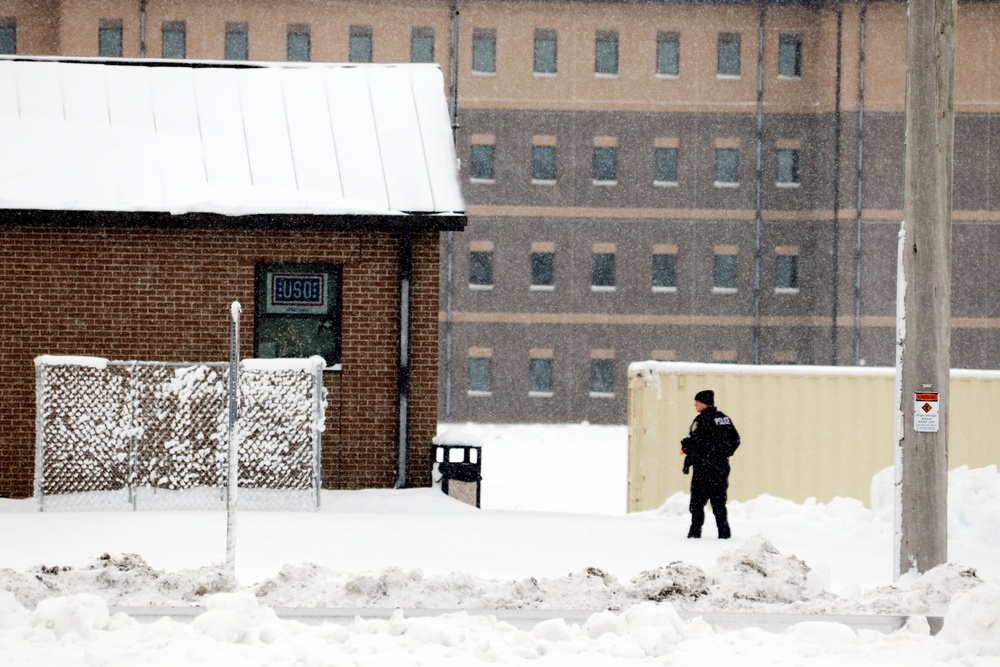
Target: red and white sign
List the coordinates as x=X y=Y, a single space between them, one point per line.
x=925 y=412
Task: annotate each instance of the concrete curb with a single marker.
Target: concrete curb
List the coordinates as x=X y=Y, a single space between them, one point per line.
x=525 y=619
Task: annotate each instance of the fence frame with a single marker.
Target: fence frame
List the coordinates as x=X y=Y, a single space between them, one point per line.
x=314 y=366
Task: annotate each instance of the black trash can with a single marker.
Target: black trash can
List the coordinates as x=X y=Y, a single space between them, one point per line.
x=460 y=467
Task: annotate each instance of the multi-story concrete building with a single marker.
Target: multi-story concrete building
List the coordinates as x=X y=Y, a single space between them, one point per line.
x=705 y=181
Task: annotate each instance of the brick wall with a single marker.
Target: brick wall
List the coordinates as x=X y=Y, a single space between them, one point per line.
x=164 y=294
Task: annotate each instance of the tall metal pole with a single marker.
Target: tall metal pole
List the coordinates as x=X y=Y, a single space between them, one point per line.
x=758 y=176
x=860 y=182
x=233 y=439
x=924 y=289
x=449 y=285
x=835 y=264
x=403 y=371
x=453 y=26
x=142 y=28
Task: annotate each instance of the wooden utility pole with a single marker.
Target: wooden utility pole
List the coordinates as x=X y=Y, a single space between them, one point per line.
x=924 y=289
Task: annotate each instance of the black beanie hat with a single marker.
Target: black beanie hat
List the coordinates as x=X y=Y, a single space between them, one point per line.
x=706 y=396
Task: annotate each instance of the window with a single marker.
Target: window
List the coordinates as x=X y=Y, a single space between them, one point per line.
x=109 y=38
x=8 y=35
x=602 y=267
x=173 y=37
x=605 y=164
x=786 y=358
x=790 y=56
x=297 y=311
x=545 y=51
x=665 y=158
x=359 y=45
x=724 y=270
x=729 y=54
x=299 y=42
x=543 y=163
x=481 y=162
x=724 y=356
x=602 y=373
x=668 y=53
x=665 y=268
x=786 y=270
x=540 y=373
x=606 y=53
x=422 y=45
x=480 y=364
x=237 y=41
x=481 y=265
x=543 y=266
x=727 y=167
x=484 y=51
x=788 y=167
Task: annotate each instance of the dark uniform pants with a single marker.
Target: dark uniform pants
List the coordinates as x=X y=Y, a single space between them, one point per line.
x=716 y=494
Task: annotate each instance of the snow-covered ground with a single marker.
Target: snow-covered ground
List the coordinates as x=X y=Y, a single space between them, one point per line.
x=552 y=534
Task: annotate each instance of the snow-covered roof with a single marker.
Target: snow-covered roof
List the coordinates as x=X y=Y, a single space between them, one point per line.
x=269 y=138
x=704 y=368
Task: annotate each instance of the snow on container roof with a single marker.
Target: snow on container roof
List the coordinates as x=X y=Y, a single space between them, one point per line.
x=263 y=139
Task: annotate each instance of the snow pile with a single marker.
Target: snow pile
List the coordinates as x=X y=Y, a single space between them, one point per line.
x=752 y=576
x=757 y=572
x=236 y=629
x=237 y=618
x=122 y=580
x=677 y=581
x=973 y=620
x=82 y=615
x=973 y=502
x=236 y=625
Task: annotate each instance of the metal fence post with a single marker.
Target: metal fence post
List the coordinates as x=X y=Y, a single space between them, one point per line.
x=133 y=441
x=318 y=417
x=234 y=379
x=40 y=434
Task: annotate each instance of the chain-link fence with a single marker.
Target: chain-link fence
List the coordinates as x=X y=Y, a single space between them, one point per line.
x=148 y=435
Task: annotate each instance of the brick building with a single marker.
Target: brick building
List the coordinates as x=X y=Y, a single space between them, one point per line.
x=145 y=199
x=710 y=181
x=609 y=149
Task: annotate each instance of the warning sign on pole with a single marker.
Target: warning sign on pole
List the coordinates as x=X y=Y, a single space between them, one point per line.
x=925 y=412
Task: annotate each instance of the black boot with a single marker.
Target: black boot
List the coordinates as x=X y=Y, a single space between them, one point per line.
x=724 y=532
x=694 y=532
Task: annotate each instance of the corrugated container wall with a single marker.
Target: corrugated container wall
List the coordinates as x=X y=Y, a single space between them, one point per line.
x=807 y=432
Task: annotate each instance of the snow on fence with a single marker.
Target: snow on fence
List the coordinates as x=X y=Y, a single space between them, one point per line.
x=152 y=435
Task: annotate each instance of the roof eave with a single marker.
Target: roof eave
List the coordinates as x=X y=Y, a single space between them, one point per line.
x=413 y=222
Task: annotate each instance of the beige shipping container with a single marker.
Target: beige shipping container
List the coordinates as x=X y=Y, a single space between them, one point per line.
x=806 y=431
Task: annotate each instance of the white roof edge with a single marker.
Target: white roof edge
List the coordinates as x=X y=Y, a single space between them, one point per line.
x=704 y=368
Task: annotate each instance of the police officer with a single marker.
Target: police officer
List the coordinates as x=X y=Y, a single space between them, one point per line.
x=711 y=441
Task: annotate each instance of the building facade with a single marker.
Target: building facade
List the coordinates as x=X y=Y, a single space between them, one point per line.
x=147 y=198
x=699 y=181
x=619 y=211
x=127 y=293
